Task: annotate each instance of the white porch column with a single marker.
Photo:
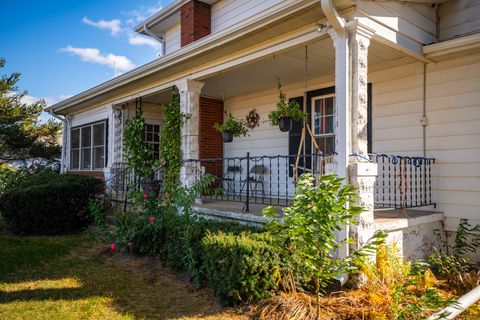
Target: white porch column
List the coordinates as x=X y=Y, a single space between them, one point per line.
x=189 y=91
x=342 y=115
x=65 y=160
x=342 y=101
x=114 y=139
x=362 y=174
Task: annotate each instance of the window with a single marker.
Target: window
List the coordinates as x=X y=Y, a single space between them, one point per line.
x=324 y=123
x=152 y=137
x=87 y=147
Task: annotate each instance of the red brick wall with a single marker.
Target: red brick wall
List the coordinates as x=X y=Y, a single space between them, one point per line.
x=95 y=174
x=210 y=141
x=195 y=21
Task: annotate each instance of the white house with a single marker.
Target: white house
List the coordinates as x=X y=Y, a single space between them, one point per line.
x=388 y=86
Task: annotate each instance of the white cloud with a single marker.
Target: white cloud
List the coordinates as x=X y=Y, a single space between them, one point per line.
x=44 y=116
x=121 y=63
x=143 y=12
x=138 y=40
x=115 y=25
x=30 y=100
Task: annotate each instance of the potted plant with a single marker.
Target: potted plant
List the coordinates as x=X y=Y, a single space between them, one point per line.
x=285 y=112
x=140 y=155
x=231 y=127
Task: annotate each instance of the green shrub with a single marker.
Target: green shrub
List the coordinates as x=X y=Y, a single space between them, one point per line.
x=47 y=203
x=241 y=268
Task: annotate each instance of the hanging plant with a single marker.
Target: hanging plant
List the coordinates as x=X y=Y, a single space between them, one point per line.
x=285 y=112
x=231 y=127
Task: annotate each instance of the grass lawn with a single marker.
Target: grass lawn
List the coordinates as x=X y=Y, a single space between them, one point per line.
x=72 y=277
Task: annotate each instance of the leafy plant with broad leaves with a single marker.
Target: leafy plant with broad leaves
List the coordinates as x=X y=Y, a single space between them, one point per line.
x=308 y=234
x=139 y=155
x=290 y=109
x=413 y=299
x=97 y=212
x=233 y=125
x=456 y=267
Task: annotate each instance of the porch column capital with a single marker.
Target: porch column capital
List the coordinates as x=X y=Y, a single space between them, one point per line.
x=189 y=85
x=360 y=32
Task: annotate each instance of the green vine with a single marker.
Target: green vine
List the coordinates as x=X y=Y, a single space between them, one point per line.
x=139 y=155
x=170 y=141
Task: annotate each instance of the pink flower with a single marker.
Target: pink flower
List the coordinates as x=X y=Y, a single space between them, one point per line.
x=130 y=244
x=151 y=219
x=113 y=246
x=145 y=196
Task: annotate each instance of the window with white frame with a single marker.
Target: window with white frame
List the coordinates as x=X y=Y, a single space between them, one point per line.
x=152 y=137
x=88 y=147
x=324 y=122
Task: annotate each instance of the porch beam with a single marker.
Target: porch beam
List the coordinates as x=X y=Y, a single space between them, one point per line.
x=189 y=92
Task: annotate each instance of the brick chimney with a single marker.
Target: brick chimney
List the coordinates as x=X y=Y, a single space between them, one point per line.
x=195 y=21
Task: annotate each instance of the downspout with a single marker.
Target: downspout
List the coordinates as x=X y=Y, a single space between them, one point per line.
x=424 y=120
x=62 y=159
x=459 y=306
x=159 y=39
x=337 y=23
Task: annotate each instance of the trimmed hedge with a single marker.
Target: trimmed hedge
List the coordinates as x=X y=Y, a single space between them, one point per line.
x=241 y=268
x=48 y=203
x=240 y=263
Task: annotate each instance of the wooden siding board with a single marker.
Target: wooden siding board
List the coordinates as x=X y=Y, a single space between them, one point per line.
x=457 y=18
x=453 y=131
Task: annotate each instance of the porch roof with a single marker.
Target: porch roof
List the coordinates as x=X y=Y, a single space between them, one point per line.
x=267 y=25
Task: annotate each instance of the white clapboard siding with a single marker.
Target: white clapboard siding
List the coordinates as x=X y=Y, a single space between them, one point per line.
x=453 y=131
x=172 y=39
x=89 y=116
x=229 y=12
x=409 y=20
x=458 y=18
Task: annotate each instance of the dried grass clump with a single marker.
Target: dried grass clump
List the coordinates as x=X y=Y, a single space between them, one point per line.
x=358 y=304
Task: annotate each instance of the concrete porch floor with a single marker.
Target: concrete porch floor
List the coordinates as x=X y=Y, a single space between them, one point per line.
x=385 y=219
x=412 y=231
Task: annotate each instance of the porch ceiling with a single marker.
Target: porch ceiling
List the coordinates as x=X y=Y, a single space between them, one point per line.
x=289 y=68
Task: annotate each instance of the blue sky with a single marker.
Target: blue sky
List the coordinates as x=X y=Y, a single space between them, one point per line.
x=65 y=47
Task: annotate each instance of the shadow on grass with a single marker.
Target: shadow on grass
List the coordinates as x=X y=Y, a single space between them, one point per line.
x=42 y=269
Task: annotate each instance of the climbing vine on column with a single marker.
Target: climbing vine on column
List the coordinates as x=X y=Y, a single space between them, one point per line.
x=170 y=142
x=139 y=155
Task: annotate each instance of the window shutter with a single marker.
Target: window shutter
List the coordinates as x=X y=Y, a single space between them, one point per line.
x=294 y=137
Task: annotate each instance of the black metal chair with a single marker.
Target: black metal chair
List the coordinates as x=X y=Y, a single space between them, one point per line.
x=255 y=179
x=230 y=178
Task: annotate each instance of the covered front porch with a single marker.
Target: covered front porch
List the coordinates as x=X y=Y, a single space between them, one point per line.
x=327 y=74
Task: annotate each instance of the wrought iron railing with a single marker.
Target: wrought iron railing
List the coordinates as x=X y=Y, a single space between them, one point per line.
x=403 y=181
x=266 y=180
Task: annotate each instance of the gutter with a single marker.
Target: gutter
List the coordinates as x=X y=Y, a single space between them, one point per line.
x=62 y=158
x=159 y=39
x=452 y=46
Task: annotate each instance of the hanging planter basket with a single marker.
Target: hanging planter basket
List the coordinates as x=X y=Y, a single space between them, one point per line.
x=285 y=124
x=227 y=136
